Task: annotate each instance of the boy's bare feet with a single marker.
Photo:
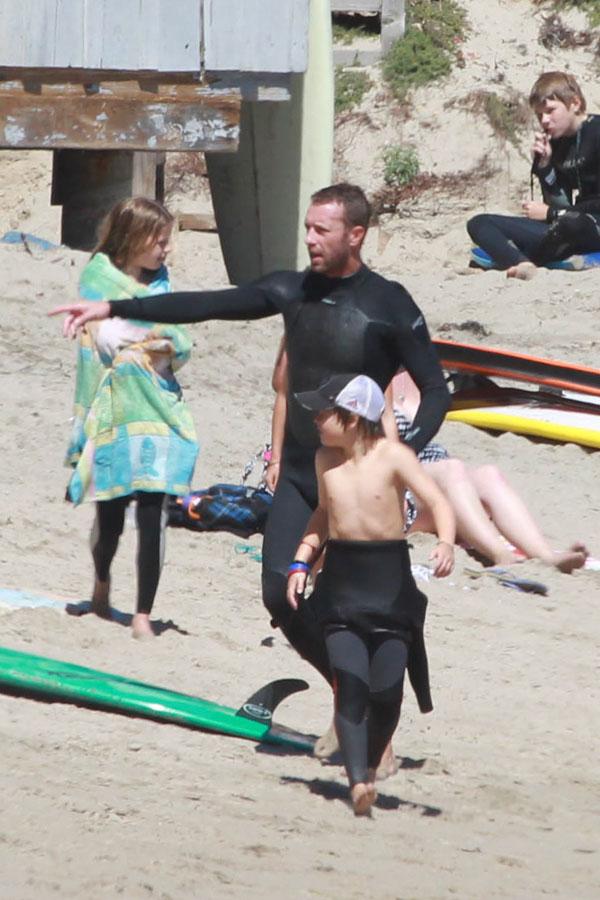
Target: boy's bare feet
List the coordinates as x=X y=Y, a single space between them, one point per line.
x=524 y=271
x=100 y=604
x=363 y=797
x=573 y=558
x=141 y=627
x=388 y=765
x=327 y=744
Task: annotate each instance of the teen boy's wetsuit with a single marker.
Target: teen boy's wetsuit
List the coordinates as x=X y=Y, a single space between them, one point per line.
x=570 y=227
x=364 y=324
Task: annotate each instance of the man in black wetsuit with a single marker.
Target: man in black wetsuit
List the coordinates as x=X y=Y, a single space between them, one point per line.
x=339 y=317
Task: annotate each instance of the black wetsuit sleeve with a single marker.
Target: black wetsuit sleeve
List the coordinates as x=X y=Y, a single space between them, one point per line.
x=419 y=357
x=253 y=301
x=578 y=167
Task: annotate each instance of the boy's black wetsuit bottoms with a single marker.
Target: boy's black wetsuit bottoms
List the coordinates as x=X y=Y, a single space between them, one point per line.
x=368 y=586
x=368 y=673
x=572 y=224
x=364 y=324
x=372 y=614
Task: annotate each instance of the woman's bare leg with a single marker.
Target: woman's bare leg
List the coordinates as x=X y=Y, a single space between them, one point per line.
x=512 y=519
x=473 y=523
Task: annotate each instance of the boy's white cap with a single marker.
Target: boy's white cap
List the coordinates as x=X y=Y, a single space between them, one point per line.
x=359 y=394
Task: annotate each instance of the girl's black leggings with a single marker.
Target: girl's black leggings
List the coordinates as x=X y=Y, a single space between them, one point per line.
x=108 y=528
x=368 y=676
x=510 y=240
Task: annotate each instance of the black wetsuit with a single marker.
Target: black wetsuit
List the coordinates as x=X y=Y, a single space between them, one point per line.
x=363 y=323
x=571 y=226
x=372 y=614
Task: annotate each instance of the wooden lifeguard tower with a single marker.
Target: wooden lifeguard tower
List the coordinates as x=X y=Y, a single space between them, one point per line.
x=110 y=86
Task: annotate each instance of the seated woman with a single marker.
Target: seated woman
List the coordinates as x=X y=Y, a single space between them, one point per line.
x=491 y=517
x=566 y=158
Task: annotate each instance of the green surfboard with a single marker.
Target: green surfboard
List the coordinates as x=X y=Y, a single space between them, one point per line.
x=53 y=679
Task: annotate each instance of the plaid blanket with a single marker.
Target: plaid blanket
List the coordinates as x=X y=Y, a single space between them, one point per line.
x=131 y=429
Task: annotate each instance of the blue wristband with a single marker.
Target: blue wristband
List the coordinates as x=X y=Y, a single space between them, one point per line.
x=298 y=566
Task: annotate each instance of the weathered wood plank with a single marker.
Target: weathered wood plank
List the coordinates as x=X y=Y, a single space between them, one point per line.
x=118 y=115
x=143 y=173
x=106 y=34
x=196 y=222
x=256 y=35
x=356 y=6
x=161 y=35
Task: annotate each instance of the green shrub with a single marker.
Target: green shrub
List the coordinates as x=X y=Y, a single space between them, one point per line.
x=508 y=116
x=590 y=7
x=413 y=61
x=348 y=27
x=350 y=87
x=400 y=165
x=343 y=35
x=426 y=52
x=443 y=20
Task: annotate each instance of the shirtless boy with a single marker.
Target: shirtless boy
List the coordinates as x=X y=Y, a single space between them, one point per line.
x=366 y=600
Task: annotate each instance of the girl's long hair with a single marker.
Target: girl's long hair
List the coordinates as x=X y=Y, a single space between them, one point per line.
x=129 y=226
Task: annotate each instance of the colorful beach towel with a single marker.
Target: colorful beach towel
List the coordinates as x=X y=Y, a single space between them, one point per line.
x=132 y=430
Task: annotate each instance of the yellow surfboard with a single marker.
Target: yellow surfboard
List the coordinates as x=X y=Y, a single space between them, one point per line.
x=551 y=423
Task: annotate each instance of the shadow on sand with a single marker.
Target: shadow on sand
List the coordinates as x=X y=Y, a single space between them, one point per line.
x=83 y=608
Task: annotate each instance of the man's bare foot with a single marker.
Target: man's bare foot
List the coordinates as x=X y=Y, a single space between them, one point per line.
x=363 y=797
x=327 y=744
x=388 y=765
x=573 y=558
x=524 y=271
x=141 y=627
x=100 y=604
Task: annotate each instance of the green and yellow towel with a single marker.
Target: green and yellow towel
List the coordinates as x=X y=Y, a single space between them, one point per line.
x=131 y=429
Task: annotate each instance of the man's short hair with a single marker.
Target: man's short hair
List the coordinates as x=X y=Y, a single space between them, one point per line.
x=556 y=86
x=357 y=209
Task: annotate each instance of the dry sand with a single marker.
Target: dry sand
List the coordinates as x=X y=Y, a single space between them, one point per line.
x=498 y=791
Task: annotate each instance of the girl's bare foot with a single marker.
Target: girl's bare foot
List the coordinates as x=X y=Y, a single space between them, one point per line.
x=524 y=271
x=101 y=599
x=141 y=627
x=388 y=764
x=363 y=797
x=573 y=558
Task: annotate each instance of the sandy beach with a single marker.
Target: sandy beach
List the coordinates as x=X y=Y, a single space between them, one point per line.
x=498 y=792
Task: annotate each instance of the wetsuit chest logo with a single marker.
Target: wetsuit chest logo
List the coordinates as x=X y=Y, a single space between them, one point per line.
x=328 y=300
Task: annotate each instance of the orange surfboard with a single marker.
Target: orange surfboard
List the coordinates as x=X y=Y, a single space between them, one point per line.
x=458 y=357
